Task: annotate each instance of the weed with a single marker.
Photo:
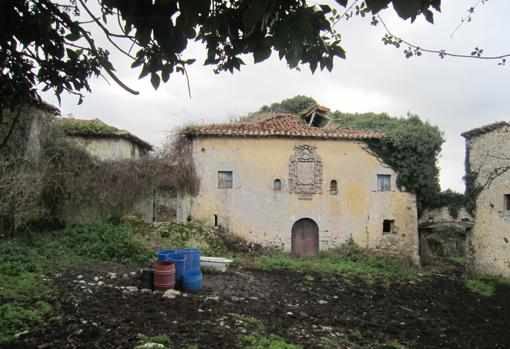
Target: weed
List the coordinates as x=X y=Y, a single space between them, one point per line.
x=155 y=342
x=459 y=260
x=309 y=278
x=480 y=287
x=260 y=339
x=368 y=268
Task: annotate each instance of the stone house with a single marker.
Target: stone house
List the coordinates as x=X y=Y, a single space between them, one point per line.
x=300 y=187
x=487 y=165
x=104 y=141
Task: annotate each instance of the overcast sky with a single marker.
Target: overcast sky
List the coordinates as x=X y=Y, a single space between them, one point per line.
x=455 y=94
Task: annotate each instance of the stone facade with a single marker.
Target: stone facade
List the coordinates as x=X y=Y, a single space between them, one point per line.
x=254 y=209
x=488 y=155
x=111 y=148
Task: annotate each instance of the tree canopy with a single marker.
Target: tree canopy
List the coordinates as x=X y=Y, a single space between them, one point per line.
x=49 y=44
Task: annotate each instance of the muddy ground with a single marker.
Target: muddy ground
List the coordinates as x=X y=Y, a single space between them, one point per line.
x=303 y=308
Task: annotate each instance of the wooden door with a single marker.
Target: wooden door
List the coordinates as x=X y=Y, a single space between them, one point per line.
x=305 y=238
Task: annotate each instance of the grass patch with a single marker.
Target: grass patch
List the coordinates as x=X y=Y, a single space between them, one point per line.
x=370 y=269
x=259 y=338
x=459 y=260
x=480 y=287
x=485 y=285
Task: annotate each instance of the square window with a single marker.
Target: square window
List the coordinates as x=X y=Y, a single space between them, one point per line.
x=507 y=202
x=383 y=182
x=225 y=179
x=388 y=226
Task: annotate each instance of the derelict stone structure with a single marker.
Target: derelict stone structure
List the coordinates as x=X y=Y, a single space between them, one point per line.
x=488 y=164
x=281 y=183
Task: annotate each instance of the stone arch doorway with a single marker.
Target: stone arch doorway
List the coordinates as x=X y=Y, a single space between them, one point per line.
x=305 y=238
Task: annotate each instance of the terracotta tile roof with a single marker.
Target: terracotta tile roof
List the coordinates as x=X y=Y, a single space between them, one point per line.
x=281 y=125
x=484 y=129
x=97 y=128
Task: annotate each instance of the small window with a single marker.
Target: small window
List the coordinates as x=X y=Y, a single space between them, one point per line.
x=225 y=179
x=215 y=220
x=277 y=185
x=388 y=226
x=383 y=182
x=507 y=202
x=333 y=187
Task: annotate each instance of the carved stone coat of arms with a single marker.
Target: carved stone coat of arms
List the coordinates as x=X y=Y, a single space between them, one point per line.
x=305 y=172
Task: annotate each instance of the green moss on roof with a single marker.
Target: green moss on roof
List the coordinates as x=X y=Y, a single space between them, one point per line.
x=87 y=127
x=96 y=128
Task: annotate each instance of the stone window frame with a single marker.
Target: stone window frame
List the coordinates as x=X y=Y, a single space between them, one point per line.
x=225 y=179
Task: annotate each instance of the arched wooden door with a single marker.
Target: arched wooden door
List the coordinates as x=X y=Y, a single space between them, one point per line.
x=305 y=238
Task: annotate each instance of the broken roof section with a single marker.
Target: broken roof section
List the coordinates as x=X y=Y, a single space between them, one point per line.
x=97 y=128
x=280 y=125
x=484 y=129
x=317 y=116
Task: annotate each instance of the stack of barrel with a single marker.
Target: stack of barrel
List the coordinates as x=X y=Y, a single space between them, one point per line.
x=178 y=269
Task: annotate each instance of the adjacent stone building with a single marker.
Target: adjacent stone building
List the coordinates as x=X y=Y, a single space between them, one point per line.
x=487 y=167
x=104 y=141
x=298 y=187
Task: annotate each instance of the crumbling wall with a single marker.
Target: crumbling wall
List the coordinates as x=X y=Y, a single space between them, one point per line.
x=489 y=240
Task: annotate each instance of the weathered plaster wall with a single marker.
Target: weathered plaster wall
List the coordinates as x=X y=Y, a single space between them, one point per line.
x=489 y=242
x=114 y=148
x=40 y=121
x=255 y=211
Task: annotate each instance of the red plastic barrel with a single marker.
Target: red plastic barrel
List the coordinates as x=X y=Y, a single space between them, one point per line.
x=164 y=275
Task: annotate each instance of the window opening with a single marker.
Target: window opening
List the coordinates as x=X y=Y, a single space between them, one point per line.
x=215 y=220
x=388 y=226
x=383 y=182
x=333 y=187
x=277 y=185
x=225 y=179
x=507 y=202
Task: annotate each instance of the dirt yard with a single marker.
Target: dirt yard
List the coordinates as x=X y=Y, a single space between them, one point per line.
x=307 y=309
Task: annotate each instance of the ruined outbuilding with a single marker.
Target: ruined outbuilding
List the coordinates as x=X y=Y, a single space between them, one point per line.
x=104 y=141
x=301 y=185
x=487 y=165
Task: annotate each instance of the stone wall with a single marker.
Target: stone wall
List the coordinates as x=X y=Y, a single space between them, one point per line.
x=489 y=242
x=110 y=148
x=258 y=213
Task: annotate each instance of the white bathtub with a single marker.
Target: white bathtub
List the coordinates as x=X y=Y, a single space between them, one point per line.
x=217 y=263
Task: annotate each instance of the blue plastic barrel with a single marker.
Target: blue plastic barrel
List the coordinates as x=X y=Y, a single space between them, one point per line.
x=161 y=255
x=192 y=281
x=180 y=261
x=188 y=266
x=195 y=255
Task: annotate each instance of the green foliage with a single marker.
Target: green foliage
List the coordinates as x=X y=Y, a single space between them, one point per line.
x=22 y=292
x=89 y=127
x=473 y=188
x=158 y=342
x=448 y=198
x=259 y=338
x=25 y=261
x=103 y=242
x=295 y=105
x=411 y=147
x=171 y=235
x=480 y=287
x=368 y=268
